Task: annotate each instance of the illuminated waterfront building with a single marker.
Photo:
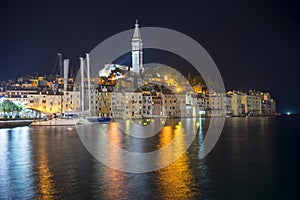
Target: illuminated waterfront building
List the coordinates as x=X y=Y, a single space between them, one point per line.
x=147 y=105
x=104 y=101
x=236 y=102
x=215 y=104
x=118 y=104
x=51 y=103
x=251 y=104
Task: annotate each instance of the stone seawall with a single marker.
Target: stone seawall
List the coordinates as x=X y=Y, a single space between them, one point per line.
x=14 y=123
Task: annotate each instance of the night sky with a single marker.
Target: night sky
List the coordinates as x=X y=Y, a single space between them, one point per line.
x=255 y=43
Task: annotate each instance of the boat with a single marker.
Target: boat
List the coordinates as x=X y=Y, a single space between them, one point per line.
x=102 y=120
x=88 y=118
x=56 y=122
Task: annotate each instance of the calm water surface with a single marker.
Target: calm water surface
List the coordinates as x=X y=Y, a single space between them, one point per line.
x=255 y=158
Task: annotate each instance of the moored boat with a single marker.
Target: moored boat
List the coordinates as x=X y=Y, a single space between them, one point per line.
x=99 y=119
x=56 y=122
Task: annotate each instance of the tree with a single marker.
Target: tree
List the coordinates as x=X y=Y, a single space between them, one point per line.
x=8 y=106
x=189 y=78
x=18 y=108
x=198 y=79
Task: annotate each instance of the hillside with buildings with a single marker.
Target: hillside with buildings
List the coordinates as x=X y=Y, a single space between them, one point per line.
x=121 y=91
x=120 y=97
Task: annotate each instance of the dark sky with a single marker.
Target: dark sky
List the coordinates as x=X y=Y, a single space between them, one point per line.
x=255 y=43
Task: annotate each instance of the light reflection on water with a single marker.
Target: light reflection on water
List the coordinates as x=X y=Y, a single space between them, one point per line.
x=117 y=186
x=52 y=163
x=46 y=185
x=16 y=174
x=176 y=179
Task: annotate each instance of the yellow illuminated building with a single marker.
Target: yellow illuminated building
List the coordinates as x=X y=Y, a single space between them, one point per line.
x=104 y=104
x=171 y=82
x=34 y=82
x=155 y=80
x=198 y=89
x=55 y=103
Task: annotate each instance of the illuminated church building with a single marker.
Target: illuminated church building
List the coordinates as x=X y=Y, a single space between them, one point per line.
x=136 y=54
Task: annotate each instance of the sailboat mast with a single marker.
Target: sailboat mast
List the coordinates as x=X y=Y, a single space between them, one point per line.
x=60 y=64
x=82 y=83
x=89 y=81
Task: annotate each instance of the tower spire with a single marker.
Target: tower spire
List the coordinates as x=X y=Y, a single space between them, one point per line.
x=136 y=33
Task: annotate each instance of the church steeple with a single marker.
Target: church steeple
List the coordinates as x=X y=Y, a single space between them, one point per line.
x=137 y=50
x=137 y=33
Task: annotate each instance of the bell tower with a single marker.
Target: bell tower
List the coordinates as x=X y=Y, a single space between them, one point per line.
x=137 y=50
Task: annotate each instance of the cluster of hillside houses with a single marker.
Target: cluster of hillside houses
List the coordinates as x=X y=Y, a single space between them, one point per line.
x=109 y=99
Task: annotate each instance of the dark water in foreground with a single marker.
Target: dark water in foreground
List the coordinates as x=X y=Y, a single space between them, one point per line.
x=255 y=158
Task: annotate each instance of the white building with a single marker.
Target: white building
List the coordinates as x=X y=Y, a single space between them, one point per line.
x=251 y=104
x=147 y=105
x=118 y=104
x=71 y=102
x=215 y=105
x=108 y=68
x=157 y=107
x=192 y=106
x=134 y=103
x=269 y=107
x=228 y=105
x=201 y=105
x=236 y=102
